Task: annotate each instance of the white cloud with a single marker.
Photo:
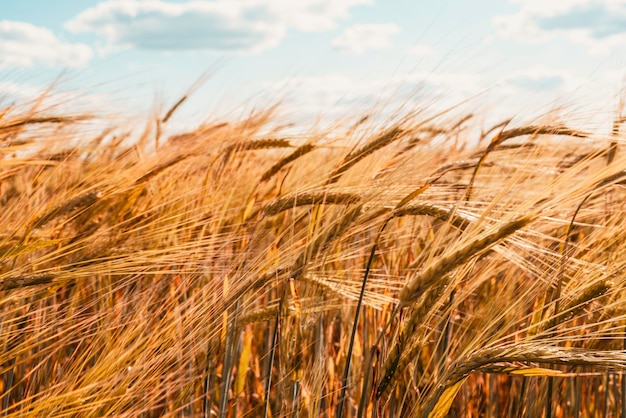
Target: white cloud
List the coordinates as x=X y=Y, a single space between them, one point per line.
x=420 y=50
x=62 y=99
x=358 y=38
x=221 y=25
x=598 y=24
x=23 y=44
x=527 y=94
x=541 y=79
x=19 y=92
x=333 y=96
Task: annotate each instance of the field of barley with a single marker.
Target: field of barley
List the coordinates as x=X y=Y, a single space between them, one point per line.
x=424 y=266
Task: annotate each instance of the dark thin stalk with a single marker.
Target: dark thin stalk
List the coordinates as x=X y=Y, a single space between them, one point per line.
x=272 y=356
x=623 y=385
x=446 y=337
x=367 y=364
x=577 y=397
x=605 y=412
x=522 y=395
x=319 y=359
x=8 y=383
x=226 y=369
x=295 y=407
x=346 y=371
x=511 y=401
x=549 y=397
x=208 y=384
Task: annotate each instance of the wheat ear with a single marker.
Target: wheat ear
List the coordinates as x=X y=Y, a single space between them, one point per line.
x=424 y=280
x=306 y=199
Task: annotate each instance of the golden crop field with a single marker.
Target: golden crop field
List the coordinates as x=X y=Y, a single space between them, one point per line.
x=424 y=266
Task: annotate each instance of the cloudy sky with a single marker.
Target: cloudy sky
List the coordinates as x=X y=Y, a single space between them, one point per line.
x=319 y=57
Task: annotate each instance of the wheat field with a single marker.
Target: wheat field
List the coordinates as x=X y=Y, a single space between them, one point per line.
x=427 y=266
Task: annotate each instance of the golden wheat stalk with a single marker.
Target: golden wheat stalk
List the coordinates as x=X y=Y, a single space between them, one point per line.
x=21 y=281
x=574 y=307
x=398 y=356
x=81 y=201
x=297 y=153
x=369 y=148
x=493 y=359
x=307 y=199
x=20 y=123
x=431 y=274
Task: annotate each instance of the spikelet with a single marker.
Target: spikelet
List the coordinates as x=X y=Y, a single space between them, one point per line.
x=431 y=274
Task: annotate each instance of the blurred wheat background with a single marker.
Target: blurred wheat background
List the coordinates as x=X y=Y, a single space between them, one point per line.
x=406 y=268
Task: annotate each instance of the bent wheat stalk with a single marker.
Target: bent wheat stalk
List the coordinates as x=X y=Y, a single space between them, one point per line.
x=17 y=282
x=505 y=135
x=306 y=199
x=372 y=146
x=81 y=201
x=424 y=280
x=490 y=359
x=299 y=152
x=426 y=286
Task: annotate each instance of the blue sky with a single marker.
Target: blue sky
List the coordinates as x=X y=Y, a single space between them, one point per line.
x=320 y=57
